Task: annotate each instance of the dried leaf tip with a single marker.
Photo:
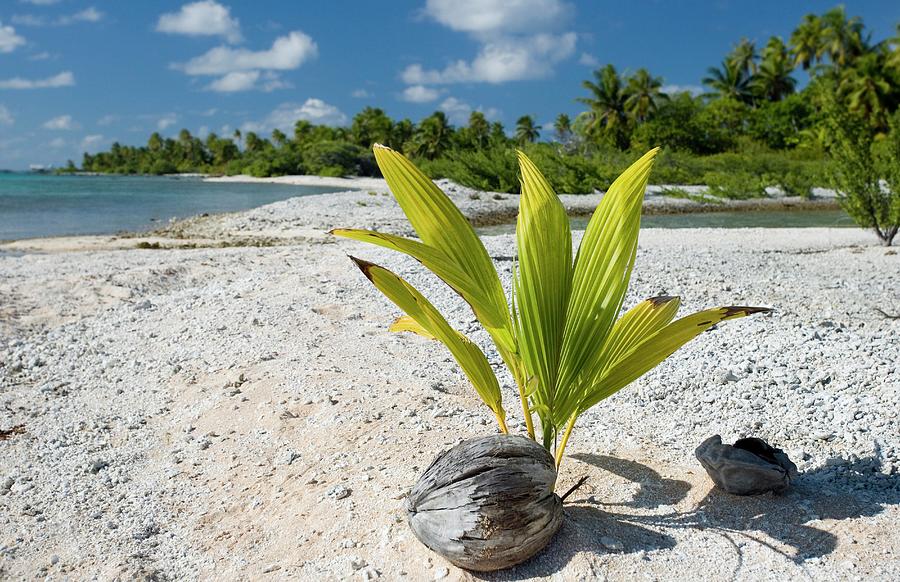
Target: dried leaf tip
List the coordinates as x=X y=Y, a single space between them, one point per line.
x=740 y=311
x=364 y=266
x=662 y=300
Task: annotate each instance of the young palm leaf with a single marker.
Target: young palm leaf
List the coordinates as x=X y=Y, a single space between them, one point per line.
x=560 y=337
x=424 y=319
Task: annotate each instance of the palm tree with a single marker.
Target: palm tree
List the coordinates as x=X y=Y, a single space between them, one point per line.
x=607 y=105
x=279 y=137
x=432 y=136
x=563 y=127
x=773 y=79
x=808 y=42
x=643 y=95
x=479 y=129
x=868 y=89
x=892 y=46
x=526 y=131
x=743 y=56
x=730 y=81
x=843 y=37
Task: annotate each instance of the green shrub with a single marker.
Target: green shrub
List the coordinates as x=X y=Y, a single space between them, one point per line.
x=735 y=185
x=491 y=170
x=338 y=158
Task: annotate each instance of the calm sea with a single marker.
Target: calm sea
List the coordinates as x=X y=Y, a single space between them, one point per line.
x=38 y=205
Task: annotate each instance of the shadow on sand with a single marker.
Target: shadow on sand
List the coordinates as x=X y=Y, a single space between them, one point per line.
x=840 y=490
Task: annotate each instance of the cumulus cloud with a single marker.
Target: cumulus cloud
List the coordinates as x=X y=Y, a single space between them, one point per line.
x=90 y=14
x=206 y=18
x=64 y=79
x=458 y=111
x=6 y=118
x=588 y=60
x=9 y=40
x=41 y=2
x=166 y=120
x=92 y=142
x=287 y=114
x=420 y=94
x=243 y=69
x=57 y=143
x=287 y=52
x=501 y=61
x=361 y=94
x=673 y=89
x=490 y=17
x=107 y=120
x=61 y=123
x=519 y=40
x=246 y=81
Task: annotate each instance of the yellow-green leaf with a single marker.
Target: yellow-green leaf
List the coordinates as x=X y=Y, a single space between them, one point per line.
x=657 y=347
x=469 y=357
x=441 y=225
x=602 y=270
x=543 y=282
x=407 y=323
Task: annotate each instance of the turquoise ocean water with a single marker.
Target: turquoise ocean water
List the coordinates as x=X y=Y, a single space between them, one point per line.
x=38 y=205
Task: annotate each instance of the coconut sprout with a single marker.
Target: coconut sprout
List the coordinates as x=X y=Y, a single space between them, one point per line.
x=559 y=333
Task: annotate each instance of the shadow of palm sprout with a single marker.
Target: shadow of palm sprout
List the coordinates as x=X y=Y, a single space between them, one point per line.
x=841 y=489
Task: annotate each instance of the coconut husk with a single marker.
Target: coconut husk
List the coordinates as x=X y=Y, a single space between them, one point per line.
x=487 y=503
x=749 y=467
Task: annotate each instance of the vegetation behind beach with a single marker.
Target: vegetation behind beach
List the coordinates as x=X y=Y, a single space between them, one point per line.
x=750 y=130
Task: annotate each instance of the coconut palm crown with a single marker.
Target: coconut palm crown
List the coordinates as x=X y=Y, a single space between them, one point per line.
x=560 y=335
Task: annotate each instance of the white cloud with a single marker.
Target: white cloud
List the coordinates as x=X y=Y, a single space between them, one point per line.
x=43 y=56
x=361 y=94
x=166 y=120
x=89 y=14
x=243 y=69
x=519 y=39
x=9 y=40
x=107 y=120
x=673 y=89
x=40 y=2
x=501 y=61
x=287 y=114
x=246 y=81
x=57 y=143
x=458 y=112
x=61 y=123
x=202 y=132
x=287 y=52
x=235 y=81
x=64 y=79
x=6 y=118
x=206 y=18
x=588 y=60
x=420 y=94
x=490 y=17
x=92 y=142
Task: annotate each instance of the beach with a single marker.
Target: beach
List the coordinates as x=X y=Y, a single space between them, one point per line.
x=227 y=403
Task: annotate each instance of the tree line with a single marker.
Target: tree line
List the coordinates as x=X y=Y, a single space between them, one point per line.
x=751 y=119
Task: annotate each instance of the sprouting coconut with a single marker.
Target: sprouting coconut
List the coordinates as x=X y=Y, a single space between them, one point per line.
x=559 y=336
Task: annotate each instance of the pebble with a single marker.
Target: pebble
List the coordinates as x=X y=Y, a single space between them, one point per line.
x=611 y=544
x=339 y=492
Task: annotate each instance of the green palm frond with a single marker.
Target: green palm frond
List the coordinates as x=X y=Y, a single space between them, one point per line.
x=560 y=335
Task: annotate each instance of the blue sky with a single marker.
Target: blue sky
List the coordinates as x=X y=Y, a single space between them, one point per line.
x=76 y=75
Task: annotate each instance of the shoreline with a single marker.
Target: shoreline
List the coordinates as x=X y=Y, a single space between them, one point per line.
x=369 y=203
